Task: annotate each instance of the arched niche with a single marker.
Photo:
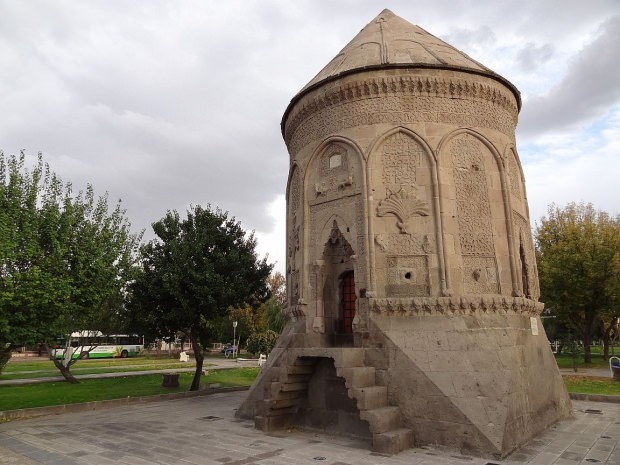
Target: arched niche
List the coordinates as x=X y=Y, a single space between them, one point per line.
x=294 y=236
x=406 y=241
x=335 y=187
x=477 y=216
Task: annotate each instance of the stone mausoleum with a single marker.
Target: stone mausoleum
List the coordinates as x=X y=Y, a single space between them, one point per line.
x=412 y=284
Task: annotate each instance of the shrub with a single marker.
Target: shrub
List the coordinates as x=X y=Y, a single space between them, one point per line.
x=262 y=343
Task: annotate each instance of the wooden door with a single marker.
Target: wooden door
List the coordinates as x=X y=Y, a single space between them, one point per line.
x=348 y=302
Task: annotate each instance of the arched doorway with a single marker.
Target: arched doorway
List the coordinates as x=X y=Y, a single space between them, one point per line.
x=339 y=287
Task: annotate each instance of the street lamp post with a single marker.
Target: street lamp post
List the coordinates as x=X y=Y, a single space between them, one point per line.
x=234 y=336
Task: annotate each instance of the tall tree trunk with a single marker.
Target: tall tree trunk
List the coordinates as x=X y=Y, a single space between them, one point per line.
x=66 y=372
x=606 y=348
x=64 y=366
x=587 y=342
x=199 y=361
x=5 y=354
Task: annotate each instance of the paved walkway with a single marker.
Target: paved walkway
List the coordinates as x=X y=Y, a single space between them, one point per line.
x=210 y=364
x=203 y=431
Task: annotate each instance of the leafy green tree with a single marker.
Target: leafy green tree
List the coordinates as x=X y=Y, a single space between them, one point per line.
x=64 y=258
x=578 y=255
x=272 y=315
x=192 y=272
x=262 y=343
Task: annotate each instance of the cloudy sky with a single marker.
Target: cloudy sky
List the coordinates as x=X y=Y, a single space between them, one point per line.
x=170 y=103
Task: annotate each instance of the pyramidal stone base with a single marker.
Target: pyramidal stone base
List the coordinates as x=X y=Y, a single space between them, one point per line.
x=480 y=384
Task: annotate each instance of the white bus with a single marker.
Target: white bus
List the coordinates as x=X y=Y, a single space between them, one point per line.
x=95 y=344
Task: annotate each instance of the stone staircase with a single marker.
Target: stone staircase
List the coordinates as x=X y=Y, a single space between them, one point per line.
x=384 y=420
x=285 y=395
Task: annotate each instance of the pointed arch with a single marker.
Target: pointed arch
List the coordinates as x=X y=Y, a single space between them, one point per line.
x=431 y=158
x=294 y=241
x=358 y=186
x=506 y=200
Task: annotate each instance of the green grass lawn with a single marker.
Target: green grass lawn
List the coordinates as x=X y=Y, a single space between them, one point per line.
x=93 y=370
x=16 y=366
x=567 y=361
x=592 y=385
x=58 y=393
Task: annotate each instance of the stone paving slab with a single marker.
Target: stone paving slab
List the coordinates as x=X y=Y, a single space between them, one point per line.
x=204 y=431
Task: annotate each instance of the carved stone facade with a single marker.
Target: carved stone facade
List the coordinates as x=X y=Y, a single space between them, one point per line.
x=410 y=260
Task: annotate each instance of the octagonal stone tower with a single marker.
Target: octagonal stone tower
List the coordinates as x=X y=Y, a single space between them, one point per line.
x=412 y=283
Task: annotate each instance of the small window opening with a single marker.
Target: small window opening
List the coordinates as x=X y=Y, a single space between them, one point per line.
x=335 y=161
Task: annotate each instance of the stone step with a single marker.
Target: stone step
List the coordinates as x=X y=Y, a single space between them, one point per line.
x=294 y=378
x=305 y=361
x=370 y=397
x=382 y=420
x=300 y=369
x=392 y=442
x=357 y=377
x=279 y=404
x=347 y=357
x=272 y=422
x=288 y=387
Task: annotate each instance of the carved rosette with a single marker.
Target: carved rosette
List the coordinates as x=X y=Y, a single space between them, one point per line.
x=455 y=306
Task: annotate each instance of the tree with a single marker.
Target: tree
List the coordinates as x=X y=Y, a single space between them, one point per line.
x=272 y=315
x=277 y=286
x=64 y=258
x=192 y=272
x=578 y=255
x=262 y=343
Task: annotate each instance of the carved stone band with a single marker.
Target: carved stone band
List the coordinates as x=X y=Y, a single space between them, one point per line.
x=418 y=306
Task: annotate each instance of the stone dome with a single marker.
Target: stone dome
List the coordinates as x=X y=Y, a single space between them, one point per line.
x=389 y=41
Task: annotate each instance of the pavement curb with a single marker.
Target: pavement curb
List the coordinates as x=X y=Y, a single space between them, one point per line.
x=595 y=397
x=22 y=414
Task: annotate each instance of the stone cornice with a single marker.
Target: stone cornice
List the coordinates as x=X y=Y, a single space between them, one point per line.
x=420 y=85
x=455 y=306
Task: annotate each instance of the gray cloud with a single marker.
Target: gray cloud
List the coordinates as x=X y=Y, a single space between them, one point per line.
x=167 y=103
x=532 y=56
x=589 y=88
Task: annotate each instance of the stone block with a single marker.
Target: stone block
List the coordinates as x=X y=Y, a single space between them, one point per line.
x=382 y=419
x=392 y=442
x=370 y=397
x=356 y=377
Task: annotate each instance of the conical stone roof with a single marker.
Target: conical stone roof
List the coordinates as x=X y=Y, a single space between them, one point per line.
x=389 y=41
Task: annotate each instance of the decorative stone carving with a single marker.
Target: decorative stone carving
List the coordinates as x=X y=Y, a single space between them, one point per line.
x=403 y=99
x=400 y=158
x=337 y=248
x=334 y=174
x=419 y=306
x=380 y=240
x=408 y=276
x=317 y=282
x=514 y=175
x=472 y=197
x=405 y=244
x=403 y=204
x=480 y=275
x=295 y=192
x=523 y=239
